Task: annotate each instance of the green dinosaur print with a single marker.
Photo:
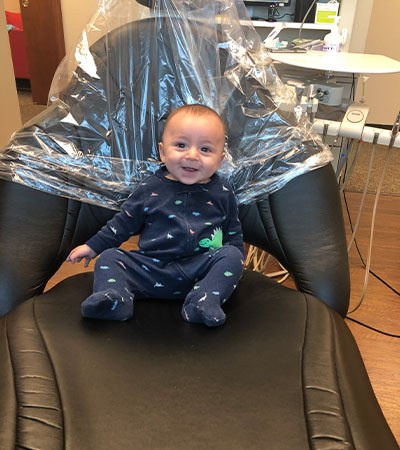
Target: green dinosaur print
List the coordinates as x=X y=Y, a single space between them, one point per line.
x=215 y=242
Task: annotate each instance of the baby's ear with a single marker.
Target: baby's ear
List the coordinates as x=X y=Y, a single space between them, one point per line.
x=161 y=151
x=225 y=151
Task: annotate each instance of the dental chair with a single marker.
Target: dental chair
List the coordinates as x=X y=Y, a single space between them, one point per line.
x=283 y=373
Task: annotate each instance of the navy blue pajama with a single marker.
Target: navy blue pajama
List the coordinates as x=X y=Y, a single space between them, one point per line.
x=190 y=247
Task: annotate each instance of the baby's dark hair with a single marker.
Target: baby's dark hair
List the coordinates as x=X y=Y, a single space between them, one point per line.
x=197 y=109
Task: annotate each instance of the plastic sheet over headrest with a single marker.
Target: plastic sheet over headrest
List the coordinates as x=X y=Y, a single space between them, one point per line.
x=132 y=66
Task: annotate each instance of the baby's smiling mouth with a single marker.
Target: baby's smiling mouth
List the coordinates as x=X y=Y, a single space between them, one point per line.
x=189 y=169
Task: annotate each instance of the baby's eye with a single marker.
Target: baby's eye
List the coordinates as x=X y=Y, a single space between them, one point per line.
x=206 y=149
x=180 y=145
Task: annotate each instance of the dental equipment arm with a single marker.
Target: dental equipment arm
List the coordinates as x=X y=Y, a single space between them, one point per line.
x=333 y=128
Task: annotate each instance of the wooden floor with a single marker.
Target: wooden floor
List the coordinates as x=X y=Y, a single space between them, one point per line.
x=380 y=307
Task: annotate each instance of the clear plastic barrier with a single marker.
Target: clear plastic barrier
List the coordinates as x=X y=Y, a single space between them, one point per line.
x=133 y=65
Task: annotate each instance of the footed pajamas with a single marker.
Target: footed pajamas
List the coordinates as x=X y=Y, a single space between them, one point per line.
x=190 y=247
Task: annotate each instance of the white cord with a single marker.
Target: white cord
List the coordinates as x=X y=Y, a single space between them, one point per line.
x=360 y=208
x=305 y=17
x=258 y=260
x=368 y=264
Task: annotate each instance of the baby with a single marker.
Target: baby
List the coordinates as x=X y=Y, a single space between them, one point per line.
x=191 y=243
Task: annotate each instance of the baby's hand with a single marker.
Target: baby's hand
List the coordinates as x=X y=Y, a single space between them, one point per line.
x=81 y=252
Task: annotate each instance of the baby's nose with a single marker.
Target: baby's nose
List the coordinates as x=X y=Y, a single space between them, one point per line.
x=192 y=153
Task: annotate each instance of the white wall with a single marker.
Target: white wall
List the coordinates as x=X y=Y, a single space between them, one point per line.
x=76 y=14
x=383 y=37
x=11 y=5
x=360 y=25
x=10 y=119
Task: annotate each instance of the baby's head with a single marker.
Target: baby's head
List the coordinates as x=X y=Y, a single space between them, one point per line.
x=192 y=144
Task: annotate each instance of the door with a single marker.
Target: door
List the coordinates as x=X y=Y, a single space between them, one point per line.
x=44 y=36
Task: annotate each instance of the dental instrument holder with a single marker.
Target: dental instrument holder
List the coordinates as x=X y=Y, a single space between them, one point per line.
x=305 y=98
x=395 y=130
x=334 y=129
x=310 y=102
x=354 y=121
x=353 y=127
x=352 y=63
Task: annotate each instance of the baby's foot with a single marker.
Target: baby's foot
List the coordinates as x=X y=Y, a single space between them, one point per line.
x=204 y=310
x=108 y=305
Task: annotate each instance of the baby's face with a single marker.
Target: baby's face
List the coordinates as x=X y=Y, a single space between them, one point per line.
x=193 y=147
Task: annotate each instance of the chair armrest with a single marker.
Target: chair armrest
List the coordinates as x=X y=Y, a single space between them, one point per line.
x=32 y=227
x=302 y=226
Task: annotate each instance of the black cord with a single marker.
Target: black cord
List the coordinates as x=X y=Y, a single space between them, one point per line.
x=373 y=274
x=284 y=15
x=372 y=328
x=352 y=95
x=353 y=86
